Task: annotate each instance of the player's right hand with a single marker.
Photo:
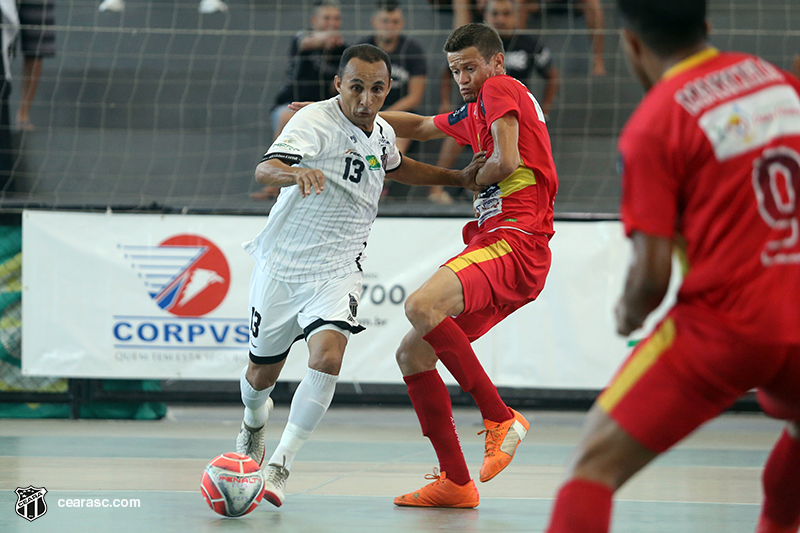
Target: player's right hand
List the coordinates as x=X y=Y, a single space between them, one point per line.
x=308 y=180
x=467 y=176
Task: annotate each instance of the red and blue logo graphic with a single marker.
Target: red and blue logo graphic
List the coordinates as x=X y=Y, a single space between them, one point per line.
x=186 y=275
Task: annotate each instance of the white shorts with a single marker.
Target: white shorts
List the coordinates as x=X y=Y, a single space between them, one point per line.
x=282 y=313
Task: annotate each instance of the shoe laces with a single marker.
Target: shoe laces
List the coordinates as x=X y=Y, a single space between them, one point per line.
x=250 y=437
x=492 y=440
x=435 y=476
x=277 y=474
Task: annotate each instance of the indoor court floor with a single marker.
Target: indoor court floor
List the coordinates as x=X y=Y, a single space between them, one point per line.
x=346 y=476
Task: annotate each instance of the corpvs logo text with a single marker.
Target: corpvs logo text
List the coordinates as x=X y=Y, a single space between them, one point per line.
x=186 y=277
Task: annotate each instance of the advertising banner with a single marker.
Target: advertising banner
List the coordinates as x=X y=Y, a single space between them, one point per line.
x=166 y=296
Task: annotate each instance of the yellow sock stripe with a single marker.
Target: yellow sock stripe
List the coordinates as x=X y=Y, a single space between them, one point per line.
x=647 y=355
x=519 y=179
x=493 y=251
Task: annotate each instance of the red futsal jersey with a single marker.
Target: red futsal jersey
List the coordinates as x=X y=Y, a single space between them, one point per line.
x=524 y=200
x=711 y=158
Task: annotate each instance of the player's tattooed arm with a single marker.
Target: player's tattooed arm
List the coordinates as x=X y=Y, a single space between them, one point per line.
x=647 y=281
x=276 y=173
x=505 y=158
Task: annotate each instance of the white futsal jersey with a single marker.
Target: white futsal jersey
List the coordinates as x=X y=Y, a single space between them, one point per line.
x=324 y=236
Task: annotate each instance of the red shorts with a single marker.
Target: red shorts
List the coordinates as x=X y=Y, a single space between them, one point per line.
x=689 y=370
x=500 y=272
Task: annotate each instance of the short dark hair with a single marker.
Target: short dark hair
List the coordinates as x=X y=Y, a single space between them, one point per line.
x=666 y=27
x=481 y=36
x=365 y=52
x=387 y=5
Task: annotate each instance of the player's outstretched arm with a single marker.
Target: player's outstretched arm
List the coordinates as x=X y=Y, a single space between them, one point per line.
x=505 y=159
x=647 y=281
x=413 y=172
x=411 y=126
x=276 y=173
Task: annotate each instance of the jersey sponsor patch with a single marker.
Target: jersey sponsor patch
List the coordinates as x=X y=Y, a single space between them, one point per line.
x=373 y=162
x=458 y=115
x=751 y=122
x=488 y=204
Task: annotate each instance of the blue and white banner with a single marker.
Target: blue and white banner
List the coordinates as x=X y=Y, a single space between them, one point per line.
x=166 y=296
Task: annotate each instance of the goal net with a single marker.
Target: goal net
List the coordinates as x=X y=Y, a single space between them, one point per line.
x=160 y=107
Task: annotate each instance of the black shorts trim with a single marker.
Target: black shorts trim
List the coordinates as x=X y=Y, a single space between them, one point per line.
x=341 y=324
x=272 y=359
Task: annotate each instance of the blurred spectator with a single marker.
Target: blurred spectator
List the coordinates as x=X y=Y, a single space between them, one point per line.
x=466 y=11
x=409 y=65
x=37 y=40
x=313 y=61
x=524 y=54
x=206 y=6
x=796 y=66
x=592 y=11
x=10 y=27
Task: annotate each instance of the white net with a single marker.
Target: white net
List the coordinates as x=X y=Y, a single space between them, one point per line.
x=160 y=107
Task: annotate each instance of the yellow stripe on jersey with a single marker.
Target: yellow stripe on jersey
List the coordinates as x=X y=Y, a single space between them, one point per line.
x=645 y=357
x=690 y=62
x=493 y=251
x=519 y=179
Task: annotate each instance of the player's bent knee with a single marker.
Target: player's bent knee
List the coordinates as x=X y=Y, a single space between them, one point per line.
x=609 y=455
x=414 y=355
x=418 y=309
x=262 y=376
x=328 y=361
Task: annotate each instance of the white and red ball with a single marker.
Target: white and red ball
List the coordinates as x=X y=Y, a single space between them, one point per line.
x=232 y=484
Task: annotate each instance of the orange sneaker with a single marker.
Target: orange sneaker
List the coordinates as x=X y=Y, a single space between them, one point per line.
x=502 y=439
x=441 y=493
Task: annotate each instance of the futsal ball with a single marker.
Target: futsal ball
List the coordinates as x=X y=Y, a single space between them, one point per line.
x=232 y=484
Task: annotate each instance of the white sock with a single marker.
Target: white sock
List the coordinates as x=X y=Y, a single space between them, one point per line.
x=255 y=402
x=310 y=402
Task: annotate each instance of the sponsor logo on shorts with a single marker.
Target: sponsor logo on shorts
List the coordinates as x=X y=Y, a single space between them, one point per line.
x=353 y=306
x=30 y=502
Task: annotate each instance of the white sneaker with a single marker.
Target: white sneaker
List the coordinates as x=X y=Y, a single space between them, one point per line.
x=275 y=483
x=251 y=440
x=207 y=7
x=112 y=5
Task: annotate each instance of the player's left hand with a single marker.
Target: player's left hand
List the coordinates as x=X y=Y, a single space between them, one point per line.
x=466 y=177
x=625 y=324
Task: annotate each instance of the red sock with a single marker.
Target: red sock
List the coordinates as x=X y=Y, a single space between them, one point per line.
x=435 y=412
x=780 y=512
x=582 y=506
x=453 y=349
